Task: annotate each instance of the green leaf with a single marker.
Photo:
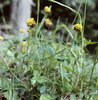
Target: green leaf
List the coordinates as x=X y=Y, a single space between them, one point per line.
x=73 y=97
x=36 y=73
x=96 y=97
x=9 y=53
x=68 y=69
x=45 y=97
x=46 y=48
x=4 y=46
x=86 y=42
x=43 y=89
x=64 y=74
x=4 y=83
x=33 y=80
x=11 y=95
x=42 y=79
x=68 y=87
x=38 y=78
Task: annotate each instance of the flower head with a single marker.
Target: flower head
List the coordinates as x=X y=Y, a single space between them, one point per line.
x=48 y=23
x=23 y=50
x=24 y=44
x=47 y=9
x=30 y=22
x=22 y=31
x=1 y=38
x=29 y=31
x=78 y=27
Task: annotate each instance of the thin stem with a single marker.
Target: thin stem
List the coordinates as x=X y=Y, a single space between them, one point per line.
x=77 y=13
x=82 y=36
x=63 y=5
x=76 y=38
x=93 y=68
x=38 y=9
x=82 y=33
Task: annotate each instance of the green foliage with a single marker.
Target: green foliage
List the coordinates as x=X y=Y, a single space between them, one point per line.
x=46 y=69
x=45 y=97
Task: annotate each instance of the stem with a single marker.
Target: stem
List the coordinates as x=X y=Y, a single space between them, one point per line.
x=82 y=36
x=54 y=1
x=77 y=81
x=77 y=15
x=93 y=68
x=82 y=33
x=76 y=38
x=62 y=75
x=38 y=9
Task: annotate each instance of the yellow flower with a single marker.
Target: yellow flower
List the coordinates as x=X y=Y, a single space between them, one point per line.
x=23 y=50
x=47 y=9
x=78 y=27
x=48 y=23
x=30 y=22
x=1 y=38
x=29 y=31
x=22 y=31
x=24 y=44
